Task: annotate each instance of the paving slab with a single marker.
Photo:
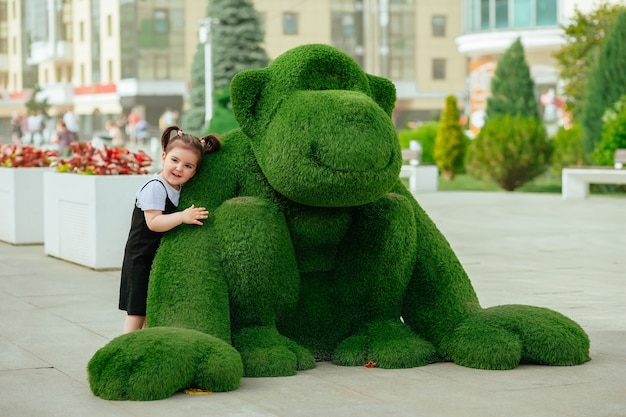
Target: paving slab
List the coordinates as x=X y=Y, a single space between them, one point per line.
x=518 y=248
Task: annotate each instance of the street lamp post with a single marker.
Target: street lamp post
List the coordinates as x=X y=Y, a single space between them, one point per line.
x=204 y=36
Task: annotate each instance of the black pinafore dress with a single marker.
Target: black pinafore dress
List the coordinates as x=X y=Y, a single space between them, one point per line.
x=139 y=253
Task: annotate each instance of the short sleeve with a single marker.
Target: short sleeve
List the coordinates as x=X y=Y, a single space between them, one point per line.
x=152 y=196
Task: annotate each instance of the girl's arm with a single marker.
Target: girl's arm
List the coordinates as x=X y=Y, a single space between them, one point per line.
x=159 y=222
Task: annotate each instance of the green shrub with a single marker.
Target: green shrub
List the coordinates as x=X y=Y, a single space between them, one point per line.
x=511 y=150
x=568 y=149
x=613 y=134
x=450 y=141
x=425 y=134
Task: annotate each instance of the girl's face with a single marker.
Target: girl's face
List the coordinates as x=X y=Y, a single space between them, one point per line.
x=179 y=165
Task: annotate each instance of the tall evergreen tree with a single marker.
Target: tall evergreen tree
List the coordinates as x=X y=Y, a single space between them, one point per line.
x=583 y=35
x=236 y=35
x=193 y=119
x=606 y=82
x=450 y=141
x=512 y=88
x=237 y=38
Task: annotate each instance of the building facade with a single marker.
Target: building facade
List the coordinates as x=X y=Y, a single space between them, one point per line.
x=411 y=42
x=491 y=26
x=105 y=57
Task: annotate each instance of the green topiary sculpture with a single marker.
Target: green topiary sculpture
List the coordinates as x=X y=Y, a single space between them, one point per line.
x=313 y=250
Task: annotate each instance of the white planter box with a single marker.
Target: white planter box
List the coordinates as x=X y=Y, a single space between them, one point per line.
x=21 y=205
x=87 y=217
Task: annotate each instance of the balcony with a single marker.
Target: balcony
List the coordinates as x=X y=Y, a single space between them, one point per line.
x=57 y=94
x=4 y=63
x=496 y=42
x=45 y=51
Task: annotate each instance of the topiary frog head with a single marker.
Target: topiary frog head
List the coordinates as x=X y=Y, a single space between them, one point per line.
x=320 y=128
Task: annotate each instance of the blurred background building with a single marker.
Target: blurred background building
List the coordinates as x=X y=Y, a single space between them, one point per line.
x=102 y=58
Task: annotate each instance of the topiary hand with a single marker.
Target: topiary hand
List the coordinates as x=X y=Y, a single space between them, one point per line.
x=155 y=363
x=502 y=337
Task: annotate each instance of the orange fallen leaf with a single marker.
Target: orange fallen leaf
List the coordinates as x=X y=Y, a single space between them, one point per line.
x=197 y=391
x=370 y=364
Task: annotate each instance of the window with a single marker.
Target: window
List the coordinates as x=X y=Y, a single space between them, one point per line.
x=502 y=14
x=290 y=23
x=109 y=25
x=401 y=58
x=439 y=69
x=439 y=26
x=110 y=70
x=81 y=30
x=484 y=14
x=161 y=21
x=546 y=12
x=523 y=13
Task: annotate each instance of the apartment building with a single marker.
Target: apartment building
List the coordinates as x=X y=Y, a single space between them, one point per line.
x=106 y=57
x=489 y=28
x=411 y=42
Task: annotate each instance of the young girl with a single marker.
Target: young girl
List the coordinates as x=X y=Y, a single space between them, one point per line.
x=155 y=213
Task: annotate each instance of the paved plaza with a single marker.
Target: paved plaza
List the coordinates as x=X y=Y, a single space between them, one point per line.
x=518 y=248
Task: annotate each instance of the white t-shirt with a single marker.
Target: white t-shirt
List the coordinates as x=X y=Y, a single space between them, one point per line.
x=153 y=195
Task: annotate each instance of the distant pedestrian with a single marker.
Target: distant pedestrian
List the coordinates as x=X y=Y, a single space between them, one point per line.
x=62 y=138
x=117 y=137
x=16 y=128
x=71 y=121
x=36 y=126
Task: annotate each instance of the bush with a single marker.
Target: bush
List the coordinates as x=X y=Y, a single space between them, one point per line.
x=450 y=141
x=511 y=150
x=425 y=134
x=613 y=134
x=568 y=149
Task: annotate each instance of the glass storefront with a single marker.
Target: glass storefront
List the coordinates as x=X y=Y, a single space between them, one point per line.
x=489 y=15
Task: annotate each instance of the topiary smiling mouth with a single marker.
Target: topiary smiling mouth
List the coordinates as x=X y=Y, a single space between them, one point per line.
x=364 y=167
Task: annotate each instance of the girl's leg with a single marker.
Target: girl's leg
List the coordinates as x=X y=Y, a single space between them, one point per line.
x=133 y=323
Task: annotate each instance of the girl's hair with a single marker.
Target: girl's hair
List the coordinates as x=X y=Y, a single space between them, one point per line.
x=206 y=144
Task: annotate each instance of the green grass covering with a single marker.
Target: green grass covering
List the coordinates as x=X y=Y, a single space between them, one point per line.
x=313 y=249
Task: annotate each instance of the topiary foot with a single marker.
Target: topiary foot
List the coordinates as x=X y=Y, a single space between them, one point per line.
x=265 y=352
x=390 y=344
x=155 y=363
x=503 y=337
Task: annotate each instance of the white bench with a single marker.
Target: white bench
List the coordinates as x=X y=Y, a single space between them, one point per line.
x=421 y=177
x=575 y=181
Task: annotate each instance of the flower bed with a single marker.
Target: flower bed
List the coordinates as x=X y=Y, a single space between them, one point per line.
x=88 y=204
x=89 y=159
x=21 y=192
x=24 y=156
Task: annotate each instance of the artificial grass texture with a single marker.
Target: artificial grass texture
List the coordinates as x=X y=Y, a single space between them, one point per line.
x=155 y=363
x=501 y=337
x=313 y=250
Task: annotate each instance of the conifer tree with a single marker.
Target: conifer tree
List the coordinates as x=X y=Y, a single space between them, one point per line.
x=511 y=147
x=236 y=36
x=606 y=82
x=450 y=141
x=584 y=33
x=512 y=88
x=193 y=119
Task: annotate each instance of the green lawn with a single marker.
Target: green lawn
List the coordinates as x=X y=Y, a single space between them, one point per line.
x=543 y=184
x=464 y=182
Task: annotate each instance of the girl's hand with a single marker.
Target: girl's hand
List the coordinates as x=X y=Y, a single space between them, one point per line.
x=193 y=215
